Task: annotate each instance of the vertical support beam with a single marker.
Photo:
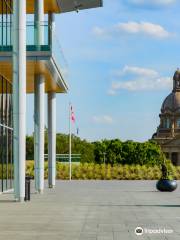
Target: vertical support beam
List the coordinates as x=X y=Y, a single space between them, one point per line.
x=51 y=23
x=36 y=136
x=51 y=139
x=39 y=132
x=19 y=96
x=39 y=22
x=51 y=117
x=39 y=92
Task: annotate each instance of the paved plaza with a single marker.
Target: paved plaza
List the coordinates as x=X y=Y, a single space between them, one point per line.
x=92 y=210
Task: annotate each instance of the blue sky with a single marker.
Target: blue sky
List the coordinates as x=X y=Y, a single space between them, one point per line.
x=121 y=59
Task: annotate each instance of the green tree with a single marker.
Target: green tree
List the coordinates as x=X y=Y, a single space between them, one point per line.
x=29 y=148
x=115 y=151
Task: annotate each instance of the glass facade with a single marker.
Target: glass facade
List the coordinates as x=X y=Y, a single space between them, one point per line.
x=6 y=135
x=5 y=23
x=6 y=30
x=50 y=40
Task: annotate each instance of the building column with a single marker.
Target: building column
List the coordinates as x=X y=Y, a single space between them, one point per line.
x=51 y=24
x=19 y=97
x=39 y=94
x=39 y=22
x=51 y=139
x=51 y=117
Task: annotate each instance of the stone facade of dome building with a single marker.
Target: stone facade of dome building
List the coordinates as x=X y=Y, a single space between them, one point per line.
x=168 y=132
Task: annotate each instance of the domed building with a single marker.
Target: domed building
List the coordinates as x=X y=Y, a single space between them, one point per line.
x=168 y=132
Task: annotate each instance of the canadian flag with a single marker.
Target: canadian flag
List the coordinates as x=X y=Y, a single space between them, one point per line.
x=72 y=115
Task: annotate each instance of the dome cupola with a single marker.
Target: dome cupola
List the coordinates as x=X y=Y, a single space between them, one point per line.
x=176 y=81
x=172 y=101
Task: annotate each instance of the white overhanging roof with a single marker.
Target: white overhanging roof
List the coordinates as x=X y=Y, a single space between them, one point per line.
x=74 y=5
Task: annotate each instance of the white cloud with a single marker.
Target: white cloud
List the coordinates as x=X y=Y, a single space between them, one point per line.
x=153 y=3
x=137 y=71
x=141 y=28
x=111 y=92
x=143 y=84
x=146 y=28
x=139 y=79
x=104 y=119
x=99 y=32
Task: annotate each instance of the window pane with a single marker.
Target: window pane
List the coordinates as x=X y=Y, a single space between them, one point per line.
x=178 y=123
x=6 y=135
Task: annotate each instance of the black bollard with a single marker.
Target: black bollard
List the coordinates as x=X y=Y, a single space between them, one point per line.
x=27 y=188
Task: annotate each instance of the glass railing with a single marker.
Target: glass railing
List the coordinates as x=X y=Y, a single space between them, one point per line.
x=5 y=36
x=50 y=43
x=58 y=56
x=31 y=30
x=31 y=39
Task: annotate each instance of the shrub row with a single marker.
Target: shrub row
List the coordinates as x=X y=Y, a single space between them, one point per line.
x=104 y=172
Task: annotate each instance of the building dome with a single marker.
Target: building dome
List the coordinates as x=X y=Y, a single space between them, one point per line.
x=171 y=103
x=168 y=131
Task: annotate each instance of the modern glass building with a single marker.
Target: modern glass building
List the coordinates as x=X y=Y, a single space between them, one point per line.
x=30 y=62
x=6 y=135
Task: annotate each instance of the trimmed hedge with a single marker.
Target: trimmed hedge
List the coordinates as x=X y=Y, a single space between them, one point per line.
x=88 y=171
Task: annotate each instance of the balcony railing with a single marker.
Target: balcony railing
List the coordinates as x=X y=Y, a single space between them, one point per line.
x=49 y=43
x=58 y=56
x=6 y=37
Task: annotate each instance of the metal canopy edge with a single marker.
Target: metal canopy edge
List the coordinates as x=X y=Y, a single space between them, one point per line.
x=76 y=5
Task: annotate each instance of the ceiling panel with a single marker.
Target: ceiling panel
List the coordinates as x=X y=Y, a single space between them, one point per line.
x=75 y=5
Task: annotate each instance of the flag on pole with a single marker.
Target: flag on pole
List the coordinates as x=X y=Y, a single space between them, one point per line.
x=72 y=115
x=77 y=131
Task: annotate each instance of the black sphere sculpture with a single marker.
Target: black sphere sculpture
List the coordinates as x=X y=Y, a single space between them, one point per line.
x=166 y=183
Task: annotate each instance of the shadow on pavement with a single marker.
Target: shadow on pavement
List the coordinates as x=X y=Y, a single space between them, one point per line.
x=7 y=201
x=139 y=205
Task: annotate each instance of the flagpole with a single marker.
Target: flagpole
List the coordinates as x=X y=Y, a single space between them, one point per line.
x=70 y=172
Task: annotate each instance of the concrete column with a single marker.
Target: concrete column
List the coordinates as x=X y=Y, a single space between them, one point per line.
x=19 y=96
x=36 y=136
x=51 y=23
x=51 y=117
x=39 y=22
x=51 y=139
x=39 y=95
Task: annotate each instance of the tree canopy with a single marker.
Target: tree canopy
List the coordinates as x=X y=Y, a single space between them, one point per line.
x=112 y=151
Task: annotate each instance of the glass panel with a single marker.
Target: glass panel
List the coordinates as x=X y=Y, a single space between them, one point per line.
x=11 y=164
x=6 y=30
x=9 y=160
x=1 y=96
x=5 y=23
x=1 y=148
x=59 y=57
x=4 y=154
x=5 y=148
x=31 y=29
x=1 y=134
x=6 y=135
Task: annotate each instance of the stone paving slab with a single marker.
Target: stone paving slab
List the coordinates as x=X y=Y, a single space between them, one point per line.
x=92 y=210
